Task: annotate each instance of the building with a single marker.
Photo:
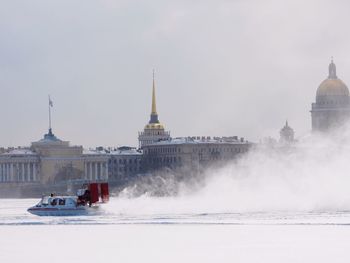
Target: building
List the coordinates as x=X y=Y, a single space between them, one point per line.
x=332 y=107
x=154 y=131
x=286 y=134
x=192 y=153
x=123 y=163
x=51 y=161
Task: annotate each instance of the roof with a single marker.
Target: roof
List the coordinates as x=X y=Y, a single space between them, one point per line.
x=50 y=137
x=131 y=151
x=117 y=151
x=93 y=152
x=332 y=87
x=20 y=151
x=49 y=140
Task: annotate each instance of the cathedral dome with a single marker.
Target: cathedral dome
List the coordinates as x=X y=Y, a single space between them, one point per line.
x=332 y=87
x=332 y=107
x=332 y=90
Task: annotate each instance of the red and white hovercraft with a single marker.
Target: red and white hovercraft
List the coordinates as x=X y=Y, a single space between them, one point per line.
x=85 y=202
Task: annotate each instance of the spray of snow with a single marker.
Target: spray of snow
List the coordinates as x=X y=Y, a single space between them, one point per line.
x=312 y=175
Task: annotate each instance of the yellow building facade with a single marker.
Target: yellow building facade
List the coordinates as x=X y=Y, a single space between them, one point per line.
x=52 y=161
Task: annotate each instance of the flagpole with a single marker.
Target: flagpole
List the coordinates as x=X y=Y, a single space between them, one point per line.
x=49 y=114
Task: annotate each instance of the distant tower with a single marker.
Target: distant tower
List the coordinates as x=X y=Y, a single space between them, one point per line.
x=286 y=134
x=332 y=107
x=154 y=131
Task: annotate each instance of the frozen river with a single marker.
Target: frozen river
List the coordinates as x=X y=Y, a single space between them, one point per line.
x=158 y=231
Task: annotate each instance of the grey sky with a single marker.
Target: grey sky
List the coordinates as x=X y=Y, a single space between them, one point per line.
x=222 y=67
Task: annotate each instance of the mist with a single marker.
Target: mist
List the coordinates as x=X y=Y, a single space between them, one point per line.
x=310 y=175
x=253 y=64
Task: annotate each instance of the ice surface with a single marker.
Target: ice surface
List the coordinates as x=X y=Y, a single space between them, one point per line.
x=142 y=211
x=121 y=234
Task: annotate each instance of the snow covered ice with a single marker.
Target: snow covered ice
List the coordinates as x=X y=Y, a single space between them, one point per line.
x=268 y=207
x=121 y=234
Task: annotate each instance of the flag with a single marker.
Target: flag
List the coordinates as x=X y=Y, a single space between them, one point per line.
x=50 y=102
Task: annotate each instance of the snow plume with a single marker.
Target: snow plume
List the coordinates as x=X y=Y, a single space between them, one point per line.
x=311 y=175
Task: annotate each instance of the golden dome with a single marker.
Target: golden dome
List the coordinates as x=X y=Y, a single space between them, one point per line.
x=157 y=126
x=332 y=87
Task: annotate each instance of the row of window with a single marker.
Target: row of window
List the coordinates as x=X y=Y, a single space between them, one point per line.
x=125 y=161
x=153 y=133
x=170 y=159
x=218 y=150
x=126 y=169
x=336 y=102
x=163 y=150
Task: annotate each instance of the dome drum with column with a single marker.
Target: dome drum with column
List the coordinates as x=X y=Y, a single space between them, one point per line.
x=151 y=126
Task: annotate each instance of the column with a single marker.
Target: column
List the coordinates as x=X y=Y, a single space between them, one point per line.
x=24 y=175
x=28 y=171
x=34 y=172
x=17 y=168
x=4 y=171
x=96 y=170
x=85 y=170
x=100 y=170
x=90 y=171
x=11 y=172
x=106 y=171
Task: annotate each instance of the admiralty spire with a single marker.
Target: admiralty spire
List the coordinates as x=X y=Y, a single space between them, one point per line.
x=154 y=131
x=154 y=114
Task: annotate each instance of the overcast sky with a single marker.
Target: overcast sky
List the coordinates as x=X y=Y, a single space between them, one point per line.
x=222 y=67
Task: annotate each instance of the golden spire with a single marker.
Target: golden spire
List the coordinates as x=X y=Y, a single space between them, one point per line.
x=154 y=107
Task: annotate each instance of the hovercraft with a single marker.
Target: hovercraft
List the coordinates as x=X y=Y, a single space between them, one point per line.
x=86 y=202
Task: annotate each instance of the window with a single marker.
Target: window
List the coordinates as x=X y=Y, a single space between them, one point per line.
x=54 y=202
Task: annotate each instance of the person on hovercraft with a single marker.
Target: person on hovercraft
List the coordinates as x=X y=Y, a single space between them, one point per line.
x=84 y=197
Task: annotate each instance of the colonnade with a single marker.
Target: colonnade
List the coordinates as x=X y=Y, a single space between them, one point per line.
x=18 y=171
x=96 y=170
